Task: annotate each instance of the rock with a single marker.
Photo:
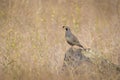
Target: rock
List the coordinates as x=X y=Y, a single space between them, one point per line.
x=74 y=58
x=80 y=62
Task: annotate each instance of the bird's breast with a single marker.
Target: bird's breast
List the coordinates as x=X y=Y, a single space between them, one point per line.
x=68 y=38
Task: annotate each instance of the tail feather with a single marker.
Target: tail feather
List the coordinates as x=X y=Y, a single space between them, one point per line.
x=81 y=46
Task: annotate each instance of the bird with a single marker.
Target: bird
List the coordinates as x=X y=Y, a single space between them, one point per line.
x=71 y=38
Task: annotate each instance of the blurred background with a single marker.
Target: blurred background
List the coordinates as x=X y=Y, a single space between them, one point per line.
x=32 y=38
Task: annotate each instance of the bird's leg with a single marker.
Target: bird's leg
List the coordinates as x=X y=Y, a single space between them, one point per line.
x=72 y=49
x=71 y=46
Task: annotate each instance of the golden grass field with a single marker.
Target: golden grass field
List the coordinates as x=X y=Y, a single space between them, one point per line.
x=32 y=43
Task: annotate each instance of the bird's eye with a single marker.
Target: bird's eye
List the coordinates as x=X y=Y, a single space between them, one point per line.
x=66 y=29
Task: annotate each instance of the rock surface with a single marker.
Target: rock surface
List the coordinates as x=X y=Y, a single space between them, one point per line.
x=80 y=62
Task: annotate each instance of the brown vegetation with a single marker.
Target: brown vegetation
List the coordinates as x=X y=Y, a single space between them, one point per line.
x=32 y=43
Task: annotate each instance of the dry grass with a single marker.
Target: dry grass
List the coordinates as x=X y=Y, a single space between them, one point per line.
x=32 y=44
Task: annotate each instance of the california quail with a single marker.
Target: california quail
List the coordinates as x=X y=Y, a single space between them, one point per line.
x=70 y=38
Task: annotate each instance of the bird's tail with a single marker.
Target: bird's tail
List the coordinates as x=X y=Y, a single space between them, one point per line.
x=81 y=46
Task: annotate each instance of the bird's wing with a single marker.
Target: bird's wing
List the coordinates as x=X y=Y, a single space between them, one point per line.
x=74 y=39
